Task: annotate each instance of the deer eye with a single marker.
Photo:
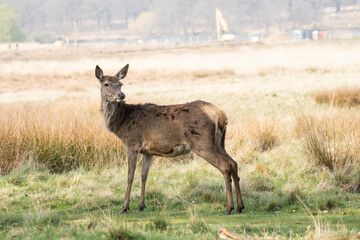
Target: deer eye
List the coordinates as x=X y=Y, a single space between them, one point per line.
x=106 y=84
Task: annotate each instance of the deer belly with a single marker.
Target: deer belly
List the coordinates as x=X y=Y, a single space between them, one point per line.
x=177 y=150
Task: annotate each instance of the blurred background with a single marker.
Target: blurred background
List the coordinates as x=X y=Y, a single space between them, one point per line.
x=82 y=22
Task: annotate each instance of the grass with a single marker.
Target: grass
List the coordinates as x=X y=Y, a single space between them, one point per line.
x=82 y=204
x=330 y=140
x=340 y=97
x=255 y=135
x=63 y=175
x=81 y=140
x=30 y=132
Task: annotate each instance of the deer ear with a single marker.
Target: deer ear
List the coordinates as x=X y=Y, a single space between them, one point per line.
x=99 y=73
x=122 y=73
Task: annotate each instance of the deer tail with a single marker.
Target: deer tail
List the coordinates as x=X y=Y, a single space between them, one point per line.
x=222 y=143
x=221 y=129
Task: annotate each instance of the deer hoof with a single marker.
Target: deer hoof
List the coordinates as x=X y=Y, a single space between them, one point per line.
x=239 y=209
x=124 y=210
x=227 y=213
x=141 y=208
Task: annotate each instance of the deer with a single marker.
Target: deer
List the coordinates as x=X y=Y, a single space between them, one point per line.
x=166 y=131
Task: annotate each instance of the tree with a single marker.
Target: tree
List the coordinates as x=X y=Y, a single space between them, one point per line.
x=306 y=13
x=9 y=30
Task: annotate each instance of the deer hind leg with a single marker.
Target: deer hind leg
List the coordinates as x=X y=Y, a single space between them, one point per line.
x=239 y=202
x=132 y=158
x=220 y=162
x=147 y=159
x=234 y=171
x=236 y=178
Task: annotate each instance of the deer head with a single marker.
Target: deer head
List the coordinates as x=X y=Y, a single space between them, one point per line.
x=111 y=85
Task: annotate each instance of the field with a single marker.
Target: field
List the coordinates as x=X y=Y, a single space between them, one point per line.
x=293 y=128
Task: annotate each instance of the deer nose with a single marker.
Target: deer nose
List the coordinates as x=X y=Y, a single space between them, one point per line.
x=121 y=96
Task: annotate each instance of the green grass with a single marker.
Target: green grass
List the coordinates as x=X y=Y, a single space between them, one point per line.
x=36 y=204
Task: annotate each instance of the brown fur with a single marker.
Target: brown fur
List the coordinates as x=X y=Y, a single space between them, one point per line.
x=167 y=131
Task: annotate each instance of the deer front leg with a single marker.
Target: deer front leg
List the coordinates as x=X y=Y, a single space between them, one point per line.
x=132 y=157
x=144 y=173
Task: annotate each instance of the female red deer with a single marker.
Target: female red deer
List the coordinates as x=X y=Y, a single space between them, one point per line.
x=167 y=131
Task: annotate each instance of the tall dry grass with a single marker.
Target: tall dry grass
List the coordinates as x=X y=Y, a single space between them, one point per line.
x=66 y=135
x=253 y=135
x=62 y=135
x=69 y=134
x=331 y=140
x=340 y=97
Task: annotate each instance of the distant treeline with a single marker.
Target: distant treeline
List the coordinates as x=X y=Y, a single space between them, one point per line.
x=166 y=17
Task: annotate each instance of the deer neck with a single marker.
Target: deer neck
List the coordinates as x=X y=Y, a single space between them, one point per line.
x=114 y=114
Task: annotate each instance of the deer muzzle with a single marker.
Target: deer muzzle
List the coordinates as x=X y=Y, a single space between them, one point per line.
x=119 y=97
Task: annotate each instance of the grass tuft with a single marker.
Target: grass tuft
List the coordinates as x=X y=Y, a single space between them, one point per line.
x=291 y=192
x=159 y=222
x=261 y=182
x=256 y=135
x=331 y=140
x=273 y=206
x=41 y=217
x=118 y=233
x=197 y=224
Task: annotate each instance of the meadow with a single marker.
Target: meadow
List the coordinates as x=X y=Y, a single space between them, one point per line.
x=293 y=128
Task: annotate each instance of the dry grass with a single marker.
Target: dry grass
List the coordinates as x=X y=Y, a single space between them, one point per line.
x=332 y=140
x=287 y=62
x=69 y=134
x=62 y=135
x=254 y=135
x=213 y=73
x=340 y=97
